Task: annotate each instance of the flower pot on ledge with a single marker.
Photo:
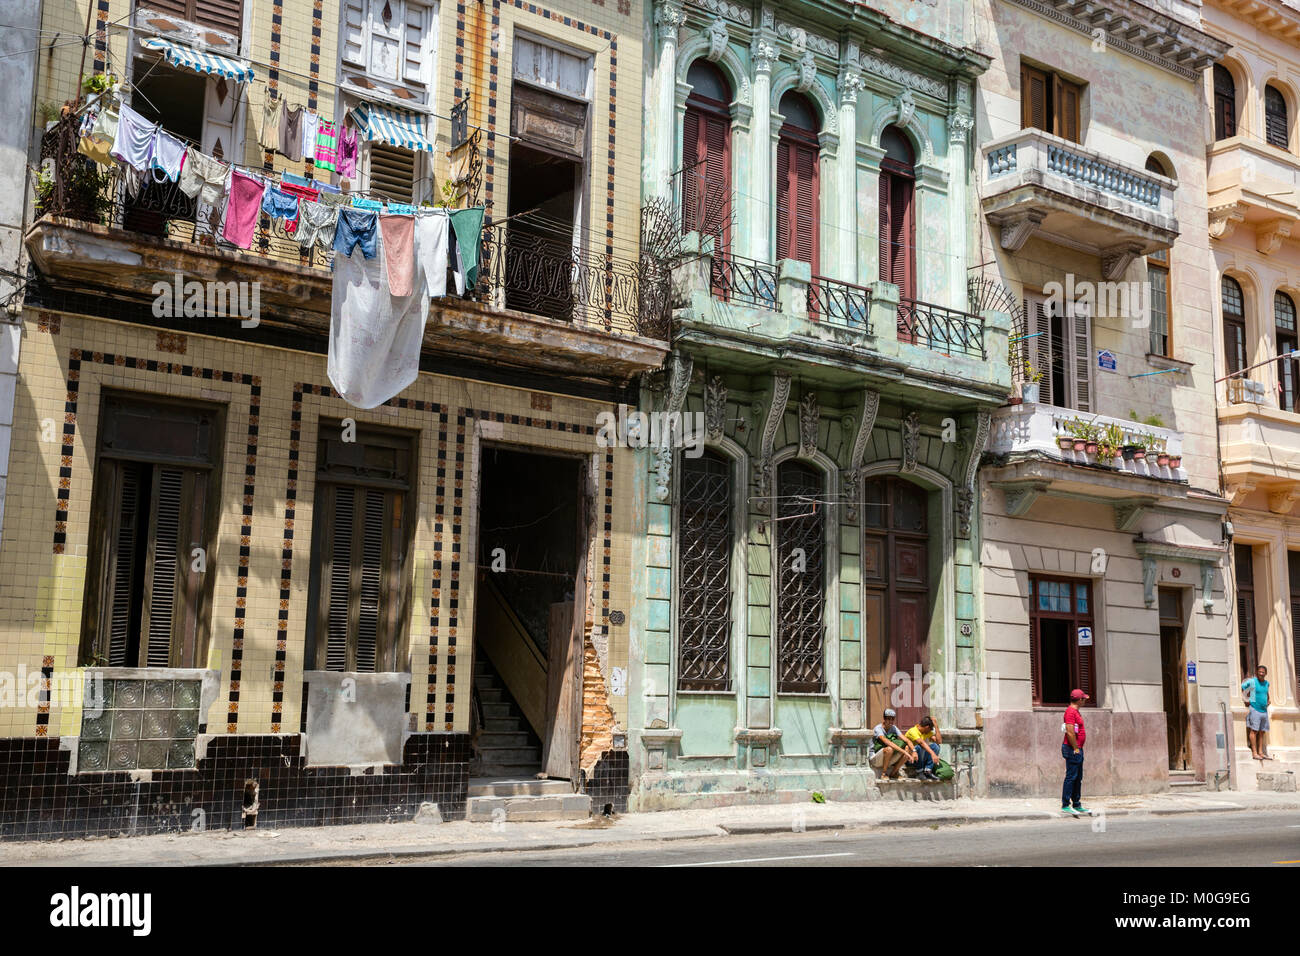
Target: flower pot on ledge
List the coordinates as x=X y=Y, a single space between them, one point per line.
x=1175 y=461
x=1080 y=444
x=1065 y=442
x=1091 y=448
x=1162 y=459
x=1029 y=392
x=1129 y=452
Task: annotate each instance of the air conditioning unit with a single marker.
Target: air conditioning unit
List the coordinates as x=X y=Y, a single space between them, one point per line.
x=1243 y=390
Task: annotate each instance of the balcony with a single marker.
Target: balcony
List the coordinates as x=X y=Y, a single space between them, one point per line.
x=1028 y=440
x=782 y=311
x=573 y=312
x=1253 y=183
x=1259 y=445
x=1039 y=184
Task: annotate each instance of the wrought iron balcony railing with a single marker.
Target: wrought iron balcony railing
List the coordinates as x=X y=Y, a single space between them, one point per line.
x=840 y=303
x=748 y=281
x=941 y=329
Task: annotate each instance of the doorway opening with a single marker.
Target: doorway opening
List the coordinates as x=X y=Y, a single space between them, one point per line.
x=530 y=611
x=1173 y=659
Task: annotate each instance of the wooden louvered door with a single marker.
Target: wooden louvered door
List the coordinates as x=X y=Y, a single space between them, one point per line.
x=1067 y=100
x=896 y=206
x=361 y=538
x=706 y=188
x=798 y=199
x=1035 y=88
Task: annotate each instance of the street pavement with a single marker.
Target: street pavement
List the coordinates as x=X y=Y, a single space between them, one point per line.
x=885 y=825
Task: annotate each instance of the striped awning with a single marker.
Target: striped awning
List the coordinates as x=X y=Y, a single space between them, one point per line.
x=393 y=126
x=178 y=54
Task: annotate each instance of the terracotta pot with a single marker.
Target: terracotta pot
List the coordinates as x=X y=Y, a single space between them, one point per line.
x=1065 y=442
x=1175 y=461
x=1139 y=454
x=1079 y=444
x=1091 y=448
x=1162 y=459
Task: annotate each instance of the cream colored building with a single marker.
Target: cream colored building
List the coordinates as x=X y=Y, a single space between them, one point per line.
x=1253 y=146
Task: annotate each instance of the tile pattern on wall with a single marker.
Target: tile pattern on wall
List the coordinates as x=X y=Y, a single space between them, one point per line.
x=39 y=800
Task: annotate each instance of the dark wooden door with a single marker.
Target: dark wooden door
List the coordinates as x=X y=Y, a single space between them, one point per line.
x=1175 y=694
x=566 y=640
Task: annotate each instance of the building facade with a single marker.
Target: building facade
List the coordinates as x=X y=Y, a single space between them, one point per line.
x=1253 y=158
x=812 y=559
x=1104 y=541
x=291 y=609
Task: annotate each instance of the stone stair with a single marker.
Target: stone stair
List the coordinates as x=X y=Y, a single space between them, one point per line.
x=1184 y=781
x=1282 y=774
x=506 y=787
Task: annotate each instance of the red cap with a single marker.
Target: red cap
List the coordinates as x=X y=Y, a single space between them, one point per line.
x=1077 y=694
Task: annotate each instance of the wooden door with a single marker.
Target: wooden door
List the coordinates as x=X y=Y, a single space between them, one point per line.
x=566 y=642
x=1175 y=694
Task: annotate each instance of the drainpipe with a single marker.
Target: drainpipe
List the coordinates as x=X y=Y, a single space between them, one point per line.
x=1225 y=765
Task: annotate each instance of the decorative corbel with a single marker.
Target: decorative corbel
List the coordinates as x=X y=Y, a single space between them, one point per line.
x=718 y=39
x=1240 y=491
x=1224 y=219
x=1269 y=236
x=906 y=108
x=911 y=428
x=679 y=381
x=1129 y=514
x=1116 y=259
x=853 y=474
x=966 y=494
x=1015 y=228
x=775 y=412
x=807 y=67
x=809 y=416
x=1020 y=496
x=1149 y=570
x=1281 y=502
x=715 y=408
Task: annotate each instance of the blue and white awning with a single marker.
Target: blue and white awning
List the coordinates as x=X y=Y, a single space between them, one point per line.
x=178 y=54
x=393 y=126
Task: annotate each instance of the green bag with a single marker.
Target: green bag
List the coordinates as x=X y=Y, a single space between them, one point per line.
x=943 y=770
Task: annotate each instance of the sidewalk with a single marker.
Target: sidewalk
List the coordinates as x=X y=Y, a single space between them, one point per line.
x=383 y=841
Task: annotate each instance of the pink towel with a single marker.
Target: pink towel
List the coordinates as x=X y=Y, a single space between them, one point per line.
x=398 y=233
x=348 y=152
x=244 y=204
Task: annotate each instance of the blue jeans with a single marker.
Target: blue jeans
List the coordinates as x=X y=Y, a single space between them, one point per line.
x=357 y=227
x=923 y=759
x=1071 y=789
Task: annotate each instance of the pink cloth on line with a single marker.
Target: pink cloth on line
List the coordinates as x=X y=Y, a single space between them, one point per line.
x=243 y=205
x=348 y=148
x=398 y=233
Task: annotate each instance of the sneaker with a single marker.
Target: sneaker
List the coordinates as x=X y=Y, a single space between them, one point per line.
x=929 y=776
x=1082 y=811
x=1070 y=811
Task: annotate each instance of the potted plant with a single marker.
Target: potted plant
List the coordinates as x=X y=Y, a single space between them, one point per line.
x=1065 y=441
x=1109 y=443
x=1029 y=388
x=1175 y=462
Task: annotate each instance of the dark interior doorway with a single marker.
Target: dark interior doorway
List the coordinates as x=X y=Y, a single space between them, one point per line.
x=1173 y=661
x=529 y=612
x=540 y=244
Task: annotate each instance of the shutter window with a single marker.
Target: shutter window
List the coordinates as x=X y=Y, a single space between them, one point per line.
x=1033 y=99
x=392 y=172
x=1293 y=574
x=144 y=603
x=1058 y=609
x=390 y=40
x=1234 y=324
x=354 y=32
x=693 y=186
x=1068 y=99
x=782 y=201
x=1080 y=329
x=1275 y=118
x=224 y=15
x=1225 y=103
x=359 y=542
x=798 y=218
x=1039 y=349
x=1050 y=103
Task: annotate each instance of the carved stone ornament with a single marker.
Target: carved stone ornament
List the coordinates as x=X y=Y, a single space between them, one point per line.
x=850 y=84
x=715 y=408
x=906 y=108
x=911 y=426
x=966 y=495
x=807 y=73
x=809 y=415
x=764 y=55
x=669 y=17
x=853 y=474
x=775 y=412
x=718 y=38
x=679 y=380
x=959 y=127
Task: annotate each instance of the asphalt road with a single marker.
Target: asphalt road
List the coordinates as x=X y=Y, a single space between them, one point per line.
x=1267 y=838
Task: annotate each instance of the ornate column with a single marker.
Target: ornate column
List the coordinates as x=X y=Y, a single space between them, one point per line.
x=960 y=123
x=850 y=81
x=668 y=20
x=761 y=211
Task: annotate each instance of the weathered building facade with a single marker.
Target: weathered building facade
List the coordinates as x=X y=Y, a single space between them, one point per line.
x=1103 y=541
x=1251 y=97
x=812 y=559
x=294 y=610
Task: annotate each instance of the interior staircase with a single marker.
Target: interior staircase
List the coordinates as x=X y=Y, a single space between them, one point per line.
x=505 y=787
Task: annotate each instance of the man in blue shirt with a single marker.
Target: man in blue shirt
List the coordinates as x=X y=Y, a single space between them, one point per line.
x=1255 y=694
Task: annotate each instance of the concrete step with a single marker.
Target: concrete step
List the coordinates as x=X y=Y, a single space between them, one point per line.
x=1186 y=785
x=494 y=725
x=520 y=755
x=574 y=806
x=518 y=786
x=906 y=788
x=512 y=771
x=494 y=739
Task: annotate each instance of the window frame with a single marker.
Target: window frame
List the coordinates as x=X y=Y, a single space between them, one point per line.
x=1287 y=369
x=1224 y=103
x=393 y=626
x=1243 y=557
x=192 y=600
x=1061 y=117
x=781 y=524
x=1087 y=683
x=1043 y=346
x=426 y=85
x=1277 y=129
x=707 y=113
x=725 y=684
x=791 y=141
x=1234 y=321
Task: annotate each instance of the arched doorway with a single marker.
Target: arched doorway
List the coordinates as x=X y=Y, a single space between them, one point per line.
x=896 y=600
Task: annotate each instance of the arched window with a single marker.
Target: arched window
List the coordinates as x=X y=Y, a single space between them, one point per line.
x=1275 y=119
x=706 y=159
x=1225 y=103
x=704 y=540
x=800 y=578
x=897 y=221
x=798 y=218
x=1234 y=325
x=1288 y=381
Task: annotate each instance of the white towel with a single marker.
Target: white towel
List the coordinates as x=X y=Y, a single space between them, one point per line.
x=375 y=337
x=431 y=252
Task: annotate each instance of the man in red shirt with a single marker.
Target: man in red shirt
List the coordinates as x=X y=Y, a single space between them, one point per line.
x=1072 y=751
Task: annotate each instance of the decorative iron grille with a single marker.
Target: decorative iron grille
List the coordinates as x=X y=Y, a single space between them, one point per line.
x=737 y=279
x=801 y=579
x=840 y=303
x=941 y=329
x=704 y=589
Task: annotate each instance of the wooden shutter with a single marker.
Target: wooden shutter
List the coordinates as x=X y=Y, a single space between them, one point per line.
x=716 y=194
x=693 y=171
x=1035 y=636
x=1295 y=636
x=783 y=192
x=417 y=47
x=1067 y=100
x=1084 y=662
x=369 y=576
x=1225 y=103
x=338 y=571
x=902 y=214
x=1034 y=92
x=224 y=15
x=121 y=563
x=163 y=563
x=354 y=32
x=805 y=208
x=392 y=172
x=1039 y=349
x=1275 y=119
x=1080 y=326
